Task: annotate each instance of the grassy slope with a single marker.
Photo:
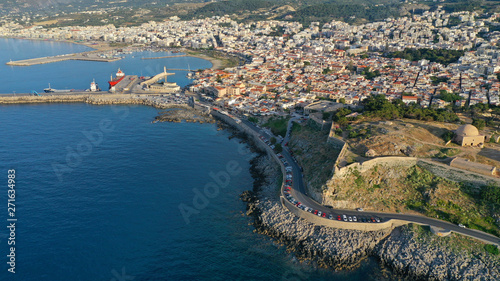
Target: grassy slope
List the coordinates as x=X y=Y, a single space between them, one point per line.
x=416 y=190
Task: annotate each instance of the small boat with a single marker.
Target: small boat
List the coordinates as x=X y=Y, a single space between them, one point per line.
x=50 y=90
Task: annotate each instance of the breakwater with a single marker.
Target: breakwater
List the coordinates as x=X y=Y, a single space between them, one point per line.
x=85 y=56
x=96 y=99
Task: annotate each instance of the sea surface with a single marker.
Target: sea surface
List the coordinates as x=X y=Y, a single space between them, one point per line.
x=100 y=189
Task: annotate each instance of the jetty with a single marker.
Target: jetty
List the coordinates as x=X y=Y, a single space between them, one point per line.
x=164 y=57
x=85 y=56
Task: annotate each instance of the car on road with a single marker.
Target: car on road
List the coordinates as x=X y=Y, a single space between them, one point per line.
x=359 y=209
x=461 y=225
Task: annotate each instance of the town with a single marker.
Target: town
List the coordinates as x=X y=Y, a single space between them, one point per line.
x=292 y=65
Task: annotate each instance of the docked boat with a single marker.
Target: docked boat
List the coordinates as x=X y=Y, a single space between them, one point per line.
x=119 y=77
x=50 y=90
x=94 y=87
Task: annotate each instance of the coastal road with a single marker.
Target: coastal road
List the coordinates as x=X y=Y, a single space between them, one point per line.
x=299 y=192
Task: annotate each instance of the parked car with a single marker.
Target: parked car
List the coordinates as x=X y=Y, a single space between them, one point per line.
x=338 y=218
x=344 y=217
x=330 y=217
x=323 y=215
x=354 y=218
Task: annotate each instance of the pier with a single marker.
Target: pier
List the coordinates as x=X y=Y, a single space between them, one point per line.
x=85 y=56
x=165 y=57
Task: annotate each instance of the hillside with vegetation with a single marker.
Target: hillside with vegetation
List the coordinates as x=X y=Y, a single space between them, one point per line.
x=121 y=13
x=417 y=190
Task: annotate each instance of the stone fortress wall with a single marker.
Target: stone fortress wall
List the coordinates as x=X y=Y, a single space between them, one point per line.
x=438 y=169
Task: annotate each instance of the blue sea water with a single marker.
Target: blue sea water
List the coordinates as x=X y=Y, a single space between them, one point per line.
x=98 y=197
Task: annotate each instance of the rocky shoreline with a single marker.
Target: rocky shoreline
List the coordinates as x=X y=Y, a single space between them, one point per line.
x=179 y=114
x=411 y=255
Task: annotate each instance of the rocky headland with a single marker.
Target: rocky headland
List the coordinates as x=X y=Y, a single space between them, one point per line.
x=187 y=114
x=411 y=251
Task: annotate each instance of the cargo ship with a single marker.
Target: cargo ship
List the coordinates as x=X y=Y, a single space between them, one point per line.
x=119 y=77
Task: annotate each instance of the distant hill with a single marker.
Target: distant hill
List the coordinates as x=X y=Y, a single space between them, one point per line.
x=50 y=7
x=304 y=11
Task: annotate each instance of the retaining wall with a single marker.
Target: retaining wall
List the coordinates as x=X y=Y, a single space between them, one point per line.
x=363 y=226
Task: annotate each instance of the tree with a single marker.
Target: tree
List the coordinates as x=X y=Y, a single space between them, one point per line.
x=278 y=148
x=342 y=100
x=273 y=140
x=479 y=123
x=327 y=115
x=448 y=135
x=350 y=67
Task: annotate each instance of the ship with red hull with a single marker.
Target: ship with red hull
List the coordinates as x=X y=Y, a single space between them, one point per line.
x=119 y=77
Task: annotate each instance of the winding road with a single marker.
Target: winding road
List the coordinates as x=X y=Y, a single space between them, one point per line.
x=299 y=192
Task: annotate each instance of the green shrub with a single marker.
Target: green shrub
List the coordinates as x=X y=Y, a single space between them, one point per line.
x=492 y=249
